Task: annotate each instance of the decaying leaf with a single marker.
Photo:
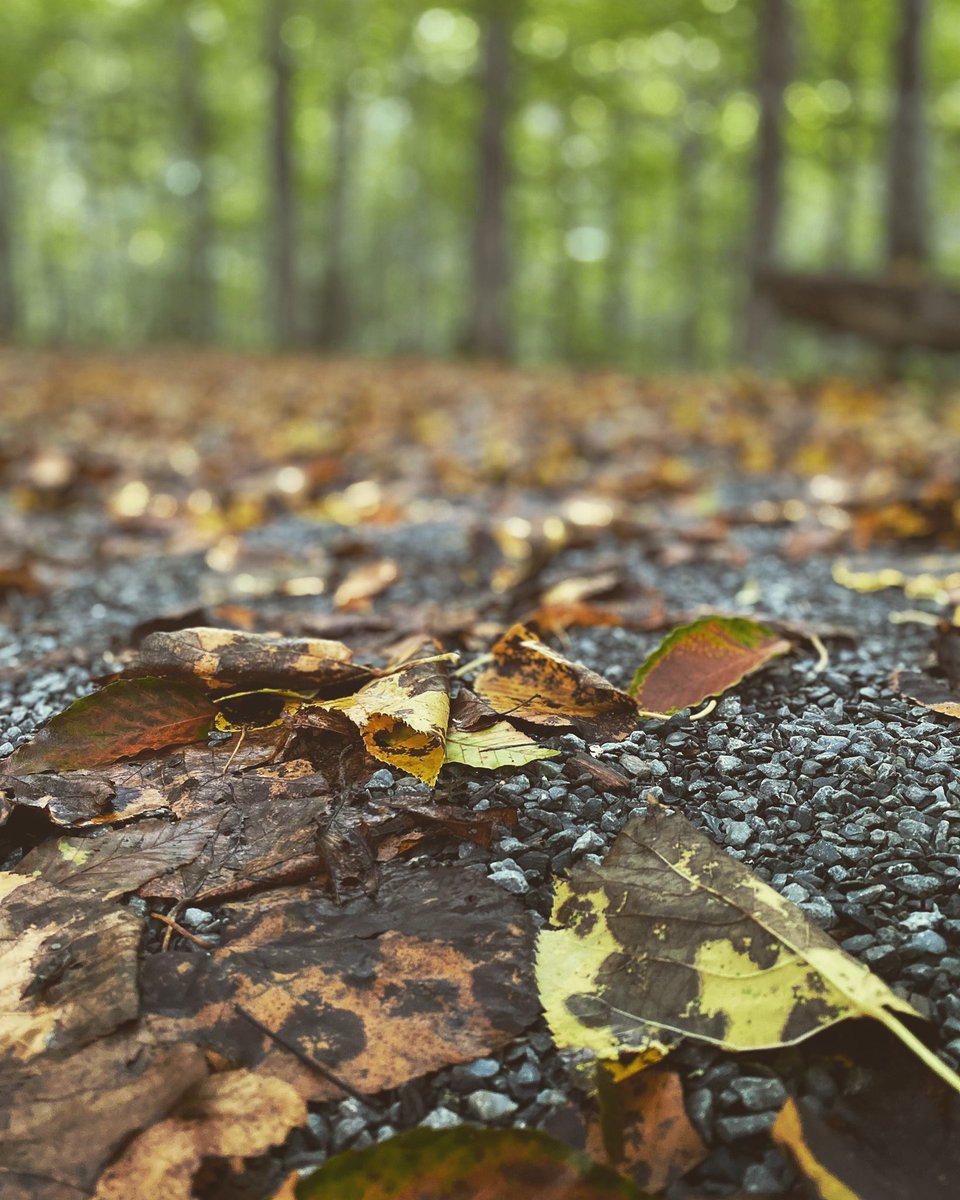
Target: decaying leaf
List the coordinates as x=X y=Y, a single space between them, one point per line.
x=235 y=1114
x=60 y=1121
x=928 y=692
x=647 y=1133
x=68 y=969
x=531 y=682
x=702 y=659
x=894 y=1131
x=601 y=599
x=228 y=658
x=403 y=716
x=499 y=745
x=435 y=969
x=119 y=721
x=472 y=1164
x=673 y=933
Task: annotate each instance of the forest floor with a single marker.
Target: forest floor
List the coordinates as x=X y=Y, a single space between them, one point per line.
x=375 y=503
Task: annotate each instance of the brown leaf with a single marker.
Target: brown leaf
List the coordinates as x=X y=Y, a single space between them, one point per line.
x=531 y=682
x=68 y=969
x=436 y=969
x=655 y=1142
x=364 y=582
x=227 y=658
x=702 y=659
x=119 y=721
x=61 y=1119
x=928 y=692
x=233 y=1114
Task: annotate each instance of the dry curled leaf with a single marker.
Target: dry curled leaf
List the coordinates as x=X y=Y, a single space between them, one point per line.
x=361 y=584
x=529 y=681
x=702 y=659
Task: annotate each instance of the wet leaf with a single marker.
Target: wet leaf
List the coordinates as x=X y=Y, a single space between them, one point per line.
x=228 y=658
x=649 y=1135
x=234 y=1114
x=435 y=969
x=499 y=745
x=702 y=659
x=119 y=721
x=473 y=1164
x=68 y=969
x=673 y=933
x=403 y=717
x=894 y=1131
x=529 y=681
x=60 y=1125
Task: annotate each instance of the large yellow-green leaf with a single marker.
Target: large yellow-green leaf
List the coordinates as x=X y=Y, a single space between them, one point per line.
x=466 y=1163
x=403 y=716
x=499 y=745
x=702 y=659
x=672 y=934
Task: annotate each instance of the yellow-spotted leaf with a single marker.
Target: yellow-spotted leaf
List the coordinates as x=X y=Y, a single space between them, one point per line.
x=703 y=659
x=529 y=681
x=499 y=745
x=403 y=716
x=674 y=934
x=469 y=1163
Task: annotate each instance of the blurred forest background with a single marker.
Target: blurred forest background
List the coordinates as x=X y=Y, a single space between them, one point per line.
x=650 y=185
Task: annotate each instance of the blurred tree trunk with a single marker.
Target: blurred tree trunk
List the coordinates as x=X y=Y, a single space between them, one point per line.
x=774 y=72
x=487 y=324
x=281 y=274
x=198 y=318
x=8 y=292
x=690 y=246
x=334 y=310
x=908 y=248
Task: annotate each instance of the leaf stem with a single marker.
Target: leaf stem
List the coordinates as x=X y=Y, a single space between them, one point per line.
x=923 y=1052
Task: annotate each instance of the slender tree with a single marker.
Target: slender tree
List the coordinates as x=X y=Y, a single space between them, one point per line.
x=487 y=330
x=908 y=247
x=334 y=308
x=281 y=271
x=774 y=72
x=8 y=291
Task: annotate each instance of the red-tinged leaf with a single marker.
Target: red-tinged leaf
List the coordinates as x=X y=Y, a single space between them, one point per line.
x=117 y=722
x=469 y=1163
x=703 y=659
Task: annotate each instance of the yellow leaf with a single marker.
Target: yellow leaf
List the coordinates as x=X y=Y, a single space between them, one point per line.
x=671 y=934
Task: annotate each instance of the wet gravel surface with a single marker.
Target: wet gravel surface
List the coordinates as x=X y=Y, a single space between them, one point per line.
x=839 y=793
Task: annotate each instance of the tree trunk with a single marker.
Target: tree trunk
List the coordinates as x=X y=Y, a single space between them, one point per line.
x=907 y=242
x=198 y=319
x=334 y=316
x=8 y=291
x=690 y=248
x=774 y=71
x=487 y=324
x=282 y=282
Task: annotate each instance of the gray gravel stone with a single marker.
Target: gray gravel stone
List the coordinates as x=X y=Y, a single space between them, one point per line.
x=442 y=1118
x=759 y=1093
x=491 y=1106
x=732 y=1129
x=514 y=882
x=736 y=833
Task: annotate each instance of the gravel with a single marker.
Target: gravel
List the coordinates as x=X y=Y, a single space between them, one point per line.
x=842 y=795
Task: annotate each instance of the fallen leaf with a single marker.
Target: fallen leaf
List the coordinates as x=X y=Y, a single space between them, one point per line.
x=673 y=935
x=529 y=681
x=119 y=721
x=360 y=585
x=435 y=969
x=61 y=1120
x=471 y=1164
x=923 y=577
x=228 y=658
x=500 y=745
x=232 y=1114
x=894 y=1131
x=654 y=1141
x=702 y=659
x=928 y=692
x=403 y=716
x=68 y=969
